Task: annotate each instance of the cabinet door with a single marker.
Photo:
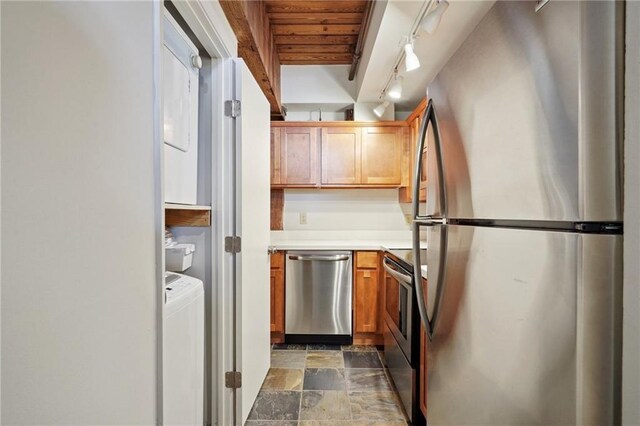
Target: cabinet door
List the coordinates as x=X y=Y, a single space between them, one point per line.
x=277 y=297
x=381 y=156
x=275 y=156
x=341 y=158
x=277 y=301
x=366 y=297
x=299 y=156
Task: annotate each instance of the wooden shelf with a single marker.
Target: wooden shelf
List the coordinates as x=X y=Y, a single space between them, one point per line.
x=187 y=215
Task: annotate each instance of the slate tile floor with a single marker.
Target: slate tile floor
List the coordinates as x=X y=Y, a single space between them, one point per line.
x=326 y=385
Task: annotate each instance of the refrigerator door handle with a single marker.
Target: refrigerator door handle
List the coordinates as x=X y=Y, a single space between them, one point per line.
x=429 y=323
x=429 y=116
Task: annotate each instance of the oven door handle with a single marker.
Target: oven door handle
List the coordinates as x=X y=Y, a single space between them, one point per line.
x=402 y=278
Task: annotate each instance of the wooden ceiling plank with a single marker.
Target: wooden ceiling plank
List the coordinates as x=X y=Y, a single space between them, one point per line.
x=315 y=18
x=351 y=29
x=317 y=39
x=318 y=6
x=295 y=62
x=317 y=48
x=315 y=56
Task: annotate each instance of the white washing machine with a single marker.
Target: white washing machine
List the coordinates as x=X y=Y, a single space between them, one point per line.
x=183 y=350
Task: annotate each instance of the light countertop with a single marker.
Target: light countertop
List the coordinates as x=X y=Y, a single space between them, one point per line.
x=341 y=244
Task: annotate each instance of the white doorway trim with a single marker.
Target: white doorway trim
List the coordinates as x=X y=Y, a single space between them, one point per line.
x=209 y=25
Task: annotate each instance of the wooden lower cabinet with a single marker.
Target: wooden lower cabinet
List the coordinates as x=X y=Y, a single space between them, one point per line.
x=277 y=297
x=368 y=297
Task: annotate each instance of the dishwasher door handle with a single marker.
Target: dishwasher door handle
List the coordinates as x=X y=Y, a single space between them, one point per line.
x=336 y=258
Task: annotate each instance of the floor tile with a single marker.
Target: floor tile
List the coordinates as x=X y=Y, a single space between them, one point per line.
x=359 y=348
x=361 y=360
x=374 y=406
x=325 y=405
x=276 y=405
x=324 y=347
x=325 y=359
x=324 y=379
x=288 y=347
x=325 y=423
x=367 y=379
x=288 y=359
x=284 y=379
x=271 y=423
x=379 y=423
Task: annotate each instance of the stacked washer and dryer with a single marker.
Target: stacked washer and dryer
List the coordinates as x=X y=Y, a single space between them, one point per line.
x=184 y=332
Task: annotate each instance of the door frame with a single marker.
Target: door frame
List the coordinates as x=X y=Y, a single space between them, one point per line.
x=209 y=25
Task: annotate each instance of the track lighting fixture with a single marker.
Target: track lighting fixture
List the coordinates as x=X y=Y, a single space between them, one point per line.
x=380 y=109
x=432 y=20
x=411 y=61
x=395 y=89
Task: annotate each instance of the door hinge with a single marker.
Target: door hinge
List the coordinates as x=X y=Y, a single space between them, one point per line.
x=232 y=108
x=233 y=379
x=232 y=244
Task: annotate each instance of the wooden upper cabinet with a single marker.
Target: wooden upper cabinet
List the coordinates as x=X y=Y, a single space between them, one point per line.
x=339 y=155
x=275 y=156
x=406 y=193
x=381 y=156
x=341 y=148
x=299 y=156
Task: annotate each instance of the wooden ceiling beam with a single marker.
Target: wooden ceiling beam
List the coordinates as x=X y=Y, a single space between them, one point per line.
x=250 y=23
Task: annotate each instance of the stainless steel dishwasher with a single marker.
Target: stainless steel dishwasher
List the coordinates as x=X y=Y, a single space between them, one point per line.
x=318 y=297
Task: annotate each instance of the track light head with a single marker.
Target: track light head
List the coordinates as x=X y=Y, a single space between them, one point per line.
x=395 y=89
x=411 y=61
x=380 y=109
x=432 y=20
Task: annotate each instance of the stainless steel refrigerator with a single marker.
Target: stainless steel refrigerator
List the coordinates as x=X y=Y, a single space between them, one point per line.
x=523 y=219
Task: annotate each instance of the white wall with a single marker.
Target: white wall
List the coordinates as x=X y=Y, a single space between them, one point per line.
x=314 y=115
x=631 y=290
x=303 y=84
x=81 y=213
x=343 y=209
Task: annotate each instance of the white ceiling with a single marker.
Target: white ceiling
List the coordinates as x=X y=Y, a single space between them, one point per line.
x=434 y=50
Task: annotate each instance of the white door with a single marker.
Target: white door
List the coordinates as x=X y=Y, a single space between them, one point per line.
x=252 y=225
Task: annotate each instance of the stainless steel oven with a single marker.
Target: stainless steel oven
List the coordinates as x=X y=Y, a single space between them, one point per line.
x=399 y=304
x=402 y=330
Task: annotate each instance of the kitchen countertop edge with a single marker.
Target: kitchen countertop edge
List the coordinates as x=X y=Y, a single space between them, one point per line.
x=340 y=245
